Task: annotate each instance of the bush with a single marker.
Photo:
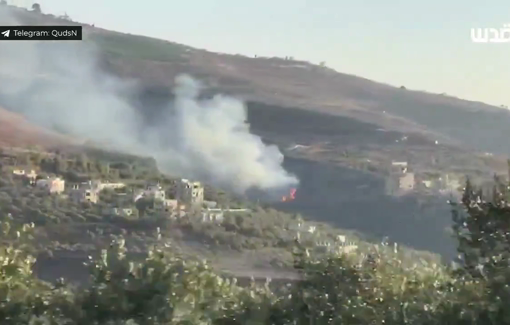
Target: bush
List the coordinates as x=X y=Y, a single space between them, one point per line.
x=373 y=286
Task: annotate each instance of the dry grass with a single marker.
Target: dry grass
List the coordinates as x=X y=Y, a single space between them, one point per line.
x=15 y=130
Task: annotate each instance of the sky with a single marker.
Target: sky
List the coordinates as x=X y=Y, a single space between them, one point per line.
x=423 y=45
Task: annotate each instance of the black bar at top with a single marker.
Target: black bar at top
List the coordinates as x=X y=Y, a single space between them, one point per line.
x=41 y=33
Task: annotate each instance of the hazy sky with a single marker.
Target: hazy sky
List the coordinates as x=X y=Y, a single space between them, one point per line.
x=423 y=45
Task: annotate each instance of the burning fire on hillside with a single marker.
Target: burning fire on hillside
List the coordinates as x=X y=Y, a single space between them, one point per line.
x=292 y=196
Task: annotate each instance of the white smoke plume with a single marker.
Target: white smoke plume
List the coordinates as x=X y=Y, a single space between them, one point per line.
x=59 y=85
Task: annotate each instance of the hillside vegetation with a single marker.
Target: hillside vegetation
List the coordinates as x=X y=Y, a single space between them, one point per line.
x=374 y=287
x=137 y=47
x=65 y=227
x=283 y=125
x=154 y=268
x=289 y=82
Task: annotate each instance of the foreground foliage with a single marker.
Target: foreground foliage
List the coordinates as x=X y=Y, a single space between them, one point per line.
x=370 y=288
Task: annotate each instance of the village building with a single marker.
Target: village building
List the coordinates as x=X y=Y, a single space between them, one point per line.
x=427 y=183
x=345 y=246
x=85 y=192
x=157 y=194
x=151 y=191
x=107 y=185
x=406 y=182
x=167 y=205
x=123 y=212
x=19 y=172
x=189 y=193
x=399 y=166
x=401 y=179
x=30 y=176
x=54 y=185
x=160 y=203
x=340 y=245
x=212 y=215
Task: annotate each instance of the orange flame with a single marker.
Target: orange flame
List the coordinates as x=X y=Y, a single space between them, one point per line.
x=292 y=195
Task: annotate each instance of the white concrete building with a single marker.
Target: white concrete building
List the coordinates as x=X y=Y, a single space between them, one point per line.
x=212 y=215
x=406 y=182
x=399 y=166
x=399 y=163
x=348 y=247
x=107 y=185
x=427 y=183
x=19 y=172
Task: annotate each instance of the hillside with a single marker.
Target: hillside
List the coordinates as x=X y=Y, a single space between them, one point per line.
x=345 y=123
x=294 y=83
x=101 y=224
x=300 y=84
x=15 y=130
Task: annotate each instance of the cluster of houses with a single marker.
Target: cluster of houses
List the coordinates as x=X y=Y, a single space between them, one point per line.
x=189 y=196
x=403 y=181
x=82 y=192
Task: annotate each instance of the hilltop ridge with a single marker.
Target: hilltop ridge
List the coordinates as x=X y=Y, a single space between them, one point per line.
x=290 y=82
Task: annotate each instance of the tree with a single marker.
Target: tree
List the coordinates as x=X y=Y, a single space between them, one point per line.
x=35 y=158
x=59 y=165
x=36 y=8
x=375 y=285
x=101 y=168
x=482 y=228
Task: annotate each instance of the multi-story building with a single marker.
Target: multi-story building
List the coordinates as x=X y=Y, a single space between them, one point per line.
x=155 y=191
x=189 y=193
x=151 y=191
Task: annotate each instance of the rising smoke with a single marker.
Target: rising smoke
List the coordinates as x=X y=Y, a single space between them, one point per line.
x=59 y=86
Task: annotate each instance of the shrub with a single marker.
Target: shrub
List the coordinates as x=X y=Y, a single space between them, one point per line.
x=371 y=286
